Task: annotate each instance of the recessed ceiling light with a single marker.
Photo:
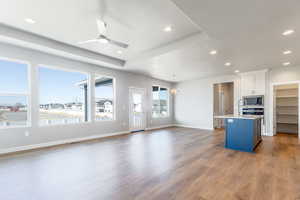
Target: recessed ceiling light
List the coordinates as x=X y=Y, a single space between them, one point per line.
x=288 y=32
x=227 y=64
x=213 y=52
x=286 y=63
x=168 y=29
x=119 y=52
x=287 y=52
x=237 y=71
x=29 y=20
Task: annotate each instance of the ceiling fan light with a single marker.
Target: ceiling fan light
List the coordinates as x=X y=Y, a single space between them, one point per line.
x=103 y=40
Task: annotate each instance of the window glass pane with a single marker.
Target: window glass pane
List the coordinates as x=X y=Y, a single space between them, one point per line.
x=13 y=111
x=137 y=103
x=163 y=96
x=155 y=92
x=13 y=77
x=155 y=101
x=160 y=101
x=63 y=96
x=104 y=98
x=13 y=93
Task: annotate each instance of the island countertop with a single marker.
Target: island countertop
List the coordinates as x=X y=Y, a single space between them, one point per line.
x=239 y=117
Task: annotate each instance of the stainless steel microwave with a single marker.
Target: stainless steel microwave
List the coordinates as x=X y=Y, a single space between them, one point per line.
x=253 y=100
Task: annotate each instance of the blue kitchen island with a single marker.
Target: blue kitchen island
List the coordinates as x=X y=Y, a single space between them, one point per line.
x=242 y=132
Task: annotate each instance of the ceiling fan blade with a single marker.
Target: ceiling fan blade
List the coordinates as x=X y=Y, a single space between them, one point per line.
x=120 y=44
x=88 y=41
x=110 y=17
x=101 y=26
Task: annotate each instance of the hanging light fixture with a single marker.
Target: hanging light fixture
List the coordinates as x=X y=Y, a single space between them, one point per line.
x=174 y=90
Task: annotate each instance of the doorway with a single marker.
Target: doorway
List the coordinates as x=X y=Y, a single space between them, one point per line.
x=223 y=102
x=137 y=115
x=286 y=109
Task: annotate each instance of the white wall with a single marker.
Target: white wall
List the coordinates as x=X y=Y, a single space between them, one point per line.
x=15 y=137
x=194 y=101
x=285 y=74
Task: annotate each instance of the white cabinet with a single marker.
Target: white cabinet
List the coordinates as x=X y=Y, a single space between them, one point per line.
x=253 y=83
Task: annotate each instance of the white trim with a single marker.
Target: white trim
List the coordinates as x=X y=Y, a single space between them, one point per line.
x=63 y=69
x=271 y=133
x=159 y=127
x=195 y=127
x=59 y=142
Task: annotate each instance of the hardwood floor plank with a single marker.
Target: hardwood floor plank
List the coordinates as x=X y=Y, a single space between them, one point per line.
x=166 y=164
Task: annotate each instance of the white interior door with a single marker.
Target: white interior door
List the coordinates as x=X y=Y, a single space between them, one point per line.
x=137 y=114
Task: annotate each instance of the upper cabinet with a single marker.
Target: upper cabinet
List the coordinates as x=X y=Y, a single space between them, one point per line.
x=253 y=83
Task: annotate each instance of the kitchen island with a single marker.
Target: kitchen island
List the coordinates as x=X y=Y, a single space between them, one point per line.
x=242 y=132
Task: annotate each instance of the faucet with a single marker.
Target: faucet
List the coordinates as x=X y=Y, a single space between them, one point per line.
x=239 y=107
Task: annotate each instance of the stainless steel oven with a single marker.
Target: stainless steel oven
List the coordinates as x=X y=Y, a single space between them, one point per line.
x=253 y=111
x=253 y=100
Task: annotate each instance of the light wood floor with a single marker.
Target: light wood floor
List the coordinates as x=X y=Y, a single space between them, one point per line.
x=174 y=163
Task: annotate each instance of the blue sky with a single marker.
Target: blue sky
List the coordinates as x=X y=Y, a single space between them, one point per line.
x=163 y=95
x=54 y=85
x=13 y=77
x=60 y=86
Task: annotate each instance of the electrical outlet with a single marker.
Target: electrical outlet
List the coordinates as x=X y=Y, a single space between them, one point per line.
x=26 y=133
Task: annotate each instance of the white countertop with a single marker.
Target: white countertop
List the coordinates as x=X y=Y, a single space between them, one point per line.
x=239 y=116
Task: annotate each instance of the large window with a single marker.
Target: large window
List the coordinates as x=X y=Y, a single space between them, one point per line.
x=104 y=98
x=63 y=96
x=160 y=102
x=13 y=94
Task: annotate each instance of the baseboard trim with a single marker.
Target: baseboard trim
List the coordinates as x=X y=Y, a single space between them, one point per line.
x=159 y=127
x=60 y=142
x=195 y=127
x=267 y=134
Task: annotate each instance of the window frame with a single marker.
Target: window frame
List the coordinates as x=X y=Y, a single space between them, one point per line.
x=26 y=94
x=94 y=98
x=66 y=69
x=168 y=102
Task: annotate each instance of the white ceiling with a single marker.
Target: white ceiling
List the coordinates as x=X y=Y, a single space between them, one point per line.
x=245 y=33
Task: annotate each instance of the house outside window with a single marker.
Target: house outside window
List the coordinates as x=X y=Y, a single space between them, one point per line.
x=104 y=98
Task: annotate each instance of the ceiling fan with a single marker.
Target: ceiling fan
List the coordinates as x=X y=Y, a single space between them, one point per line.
x=102 y=30
x=102 y=38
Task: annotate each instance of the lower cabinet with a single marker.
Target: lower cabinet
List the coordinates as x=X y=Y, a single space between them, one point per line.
x=242 y=134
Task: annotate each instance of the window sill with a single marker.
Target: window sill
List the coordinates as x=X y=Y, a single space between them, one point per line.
x=164 y=117
x=70 y=124
x=15 y=127
x=109 y=120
